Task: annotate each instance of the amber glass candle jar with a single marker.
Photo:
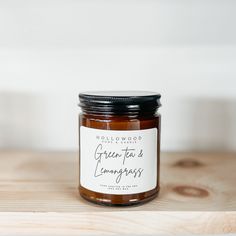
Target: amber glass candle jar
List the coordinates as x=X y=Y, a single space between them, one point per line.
x=119 y=147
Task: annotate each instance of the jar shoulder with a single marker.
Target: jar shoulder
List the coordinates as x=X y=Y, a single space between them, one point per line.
x=114 y=118
x=120 y=122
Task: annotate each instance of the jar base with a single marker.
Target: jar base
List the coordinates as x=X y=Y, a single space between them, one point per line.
x=104 y=202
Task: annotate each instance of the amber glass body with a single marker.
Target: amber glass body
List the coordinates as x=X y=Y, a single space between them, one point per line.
x=122 y=122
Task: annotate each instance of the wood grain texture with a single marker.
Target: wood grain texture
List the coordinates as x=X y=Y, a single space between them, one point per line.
x=38 y=195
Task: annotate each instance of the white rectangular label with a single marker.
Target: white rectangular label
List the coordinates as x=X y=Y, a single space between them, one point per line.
x=118 y=161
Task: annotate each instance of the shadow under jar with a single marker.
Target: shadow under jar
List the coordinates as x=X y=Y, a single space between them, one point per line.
x=119 y=147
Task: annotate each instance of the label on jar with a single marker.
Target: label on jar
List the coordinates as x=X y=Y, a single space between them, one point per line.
x=118 y=161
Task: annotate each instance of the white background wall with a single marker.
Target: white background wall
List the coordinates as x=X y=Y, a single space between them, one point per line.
x=50 y=50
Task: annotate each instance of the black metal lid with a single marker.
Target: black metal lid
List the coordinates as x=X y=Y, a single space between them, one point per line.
x=119 y=101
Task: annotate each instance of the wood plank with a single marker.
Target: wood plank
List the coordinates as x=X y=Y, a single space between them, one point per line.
x=39 y=190
x=112 y=223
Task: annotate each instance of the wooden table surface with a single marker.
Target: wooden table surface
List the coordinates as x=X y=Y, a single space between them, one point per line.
x=38 y=196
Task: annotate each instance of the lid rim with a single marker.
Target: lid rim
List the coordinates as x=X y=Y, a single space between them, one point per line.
x=106 y=101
